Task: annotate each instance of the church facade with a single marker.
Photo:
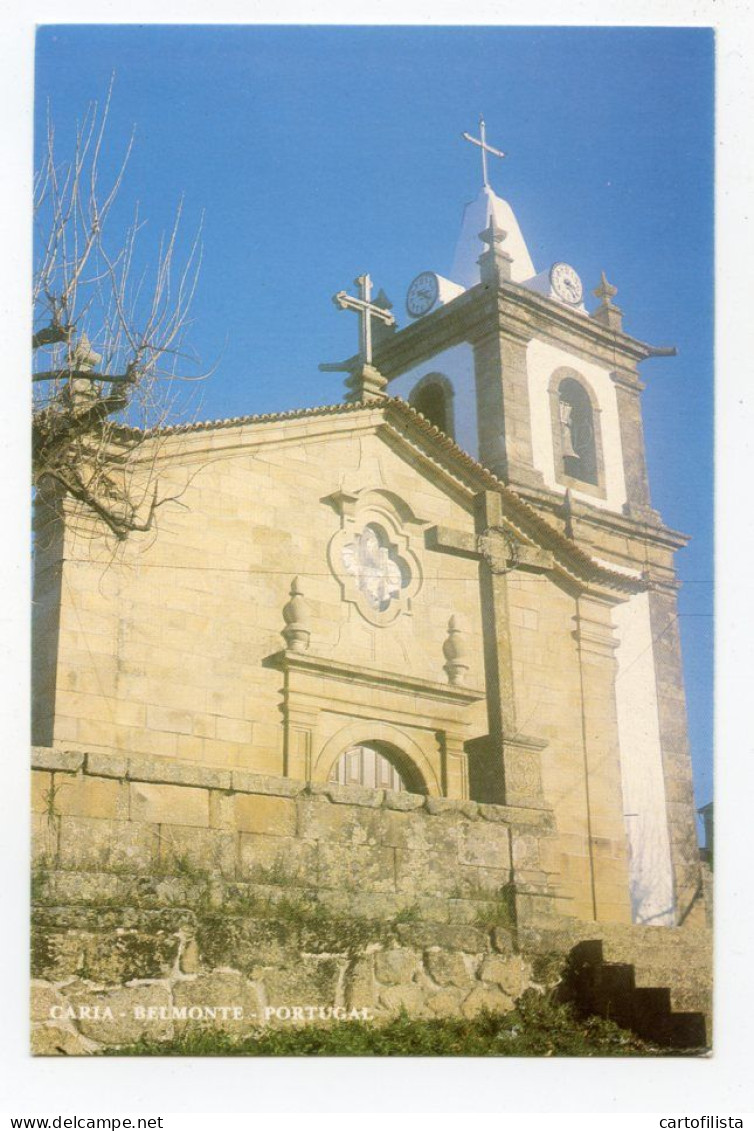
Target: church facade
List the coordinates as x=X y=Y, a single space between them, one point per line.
x=451 y=584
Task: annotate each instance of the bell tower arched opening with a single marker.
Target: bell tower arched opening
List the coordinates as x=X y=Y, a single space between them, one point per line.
x=576 y=433
x=433 y=398
x=579 y=449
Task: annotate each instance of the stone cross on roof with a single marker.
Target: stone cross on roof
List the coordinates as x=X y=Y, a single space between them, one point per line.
x=367 y=310
x=481 y=141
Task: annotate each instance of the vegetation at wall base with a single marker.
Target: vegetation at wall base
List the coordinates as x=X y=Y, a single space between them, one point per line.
x=537 y=1027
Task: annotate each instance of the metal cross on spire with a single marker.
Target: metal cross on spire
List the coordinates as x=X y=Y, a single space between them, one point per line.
x=481 y=141
x=367 y=310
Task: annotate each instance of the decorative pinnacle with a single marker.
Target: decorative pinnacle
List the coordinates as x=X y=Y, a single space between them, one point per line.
x=605 y=291
x=296 y=616
x=454 y=651
x=567 y=513
x=82 y=356
x=494 y=262
x=493 y=235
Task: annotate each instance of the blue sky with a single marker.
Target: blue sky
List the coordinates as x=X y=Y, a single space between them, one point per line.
x=317 y=153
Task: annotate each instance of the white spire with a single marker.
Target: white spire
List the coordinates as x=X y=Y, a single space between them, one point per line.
x=476 y=218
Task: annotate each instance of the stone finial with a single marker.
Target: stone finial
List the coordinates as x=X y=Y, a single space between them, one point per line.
x=494 y=263
x=454 y=651
x=493 y=235
x=605 y=291
x=82 y=357
x=567 y=512
x=296 y=616
x=607 y=312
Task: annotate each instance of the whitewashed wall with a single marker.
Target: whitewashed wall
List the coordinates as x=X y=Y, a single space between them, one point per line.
x=641 y=767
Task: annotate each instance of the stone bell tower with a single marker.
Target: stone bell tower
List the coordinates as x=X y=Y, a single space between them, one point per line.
x=508 y=361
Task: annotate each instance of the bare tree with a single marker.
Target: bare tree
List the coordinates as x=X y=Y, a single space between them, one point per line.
x=109 y=333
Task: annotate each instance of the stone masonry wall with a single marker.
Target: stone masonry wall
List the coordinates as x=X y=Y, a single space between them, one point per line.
x=169 y=896
x=162 y=887
x=163 y=643
x=105 y=812
x=105 y=976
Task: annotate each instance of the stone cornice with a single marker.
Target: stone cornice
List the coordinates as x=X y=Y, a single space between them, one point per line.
x=527 y=742
x=121 y=765
x=543 y=315
x=601 y=517
x=469 y=317
x=512 y=311
x=662 y=580
x=327 y=668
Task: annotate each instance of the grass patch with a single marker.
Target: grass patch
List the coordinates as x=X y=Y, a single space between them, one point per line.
x=225 y=911
x=537 y=1027
x=495 y=906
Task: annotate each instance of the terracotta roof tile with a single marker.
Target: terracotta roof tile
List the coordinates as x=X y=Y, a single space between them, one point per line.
x=396 y=407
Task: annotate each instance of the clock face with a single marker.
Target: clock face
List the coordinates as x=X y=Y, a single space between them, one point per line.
x=422 y=294
x=566 y=283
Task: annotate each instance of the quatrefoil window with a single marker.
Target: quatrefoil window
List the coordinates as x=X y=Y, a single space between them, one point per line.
x=379 y=571
x=373 y=555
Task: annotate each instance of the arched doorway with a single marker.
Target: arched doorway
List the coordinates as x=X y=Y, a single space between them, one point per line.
x=376 y=765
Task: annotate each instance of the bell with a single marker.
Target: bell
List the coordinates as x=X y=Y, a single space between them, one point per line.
x=566 y=431
x=569 y=452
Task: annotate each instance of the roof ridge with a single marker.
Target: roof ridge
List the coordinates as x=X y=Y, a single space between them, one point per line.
x=398 y=405
x=256 y=418
x=616 y=578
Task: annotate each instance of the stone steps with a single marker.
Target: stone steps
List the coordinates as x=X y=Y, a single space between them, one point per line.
x=664 y=1003
x=678 y=960
x=696 y=952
